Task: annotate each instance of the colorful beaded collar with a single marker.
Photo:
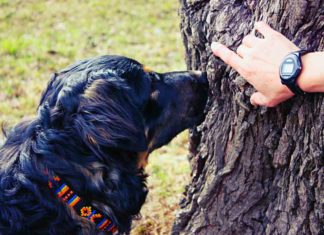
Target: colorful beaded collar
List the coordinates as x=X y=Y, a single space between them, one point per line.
x=66 y=194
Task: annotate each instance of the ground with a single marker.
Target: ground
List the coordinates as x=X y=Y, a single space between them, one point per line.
x=40 y=37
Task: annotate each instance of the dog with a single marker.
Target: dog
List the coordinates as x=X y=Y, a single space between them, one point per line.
x=78 y=166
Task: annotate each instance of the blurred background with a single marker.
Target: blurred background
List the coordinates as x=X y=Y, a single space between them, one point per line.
x=38 y=38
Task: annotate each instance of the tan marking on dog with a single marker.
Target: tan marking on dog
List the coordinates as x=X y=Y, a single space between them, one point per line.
x=150 y=142
x=92 y=140
x=147 y=69
x=150 y=145
x=142 y=159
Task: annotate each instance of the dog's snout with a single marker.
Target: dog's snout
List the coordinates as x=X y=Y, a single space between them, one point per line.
x=200 y=77
x=197 y=73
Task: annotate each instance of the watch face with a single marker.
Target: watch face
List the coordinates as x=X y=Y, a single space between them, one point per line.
x=289 y=71
x=288 y=68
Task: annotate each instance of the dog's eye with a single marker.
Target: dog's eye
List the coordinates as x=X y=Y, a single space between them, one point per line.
x=155 y=77
x=155 y=82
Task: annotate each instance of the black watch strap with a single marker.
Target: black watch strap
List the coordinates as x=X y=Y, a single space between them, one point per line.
x=295 y=89
x=293 y=86
x=303 y=52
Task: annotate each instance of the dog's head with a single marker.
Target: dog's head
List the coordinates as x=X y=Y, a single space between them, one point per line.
x=115 y=102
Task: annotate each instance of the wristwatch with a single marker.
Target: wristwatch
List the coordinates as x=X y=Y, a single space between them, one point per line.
x=290 y=70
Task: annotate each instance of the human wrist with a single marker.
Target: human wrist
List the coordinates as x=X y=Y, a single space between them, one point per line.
x=311 y=78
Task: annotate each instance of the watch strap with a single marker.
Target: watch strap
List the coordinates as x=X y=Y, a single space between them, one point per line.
x=293 y=86
x=303 y=52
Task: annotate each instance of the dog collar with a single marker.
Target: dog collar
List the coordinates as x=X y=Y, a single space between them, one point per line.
x=83 y=209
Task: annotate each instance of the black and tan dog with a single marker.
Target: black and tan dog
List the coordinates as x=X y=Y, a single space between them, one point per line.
x=77 y=168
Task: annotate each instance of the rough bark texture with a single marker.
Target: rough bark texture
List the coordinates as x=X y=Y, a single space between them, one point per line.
x=254 y=170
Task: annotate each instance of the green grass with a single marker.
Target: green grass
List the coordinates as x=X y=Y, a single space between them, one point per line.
x=40 y=37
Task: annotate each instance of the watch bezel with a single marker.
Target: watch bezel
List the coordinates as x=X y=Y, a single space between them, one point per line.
x=287 y=79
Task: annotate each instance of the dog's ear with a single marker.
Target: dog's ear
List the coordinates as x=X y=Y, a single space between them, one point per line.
x=107 y=117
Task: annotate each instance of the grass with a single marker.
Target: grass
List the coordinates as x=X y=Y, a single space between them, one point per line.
x=169 y=171
x=40 y=37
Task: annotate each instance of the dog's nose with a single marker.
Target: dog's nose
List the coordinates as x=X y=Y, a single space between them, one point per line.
x=200 y=77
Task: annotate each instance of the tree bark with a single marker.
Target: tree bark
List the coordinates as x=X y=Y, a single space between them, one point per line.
x=254 y=170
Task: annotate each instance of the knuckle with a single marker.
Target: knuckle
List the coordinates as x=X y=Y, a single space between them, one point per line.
x=246 y=39
x=228 y=57
x=262 y=24
x=239 y=49
x=253 y=55
x=246 y=71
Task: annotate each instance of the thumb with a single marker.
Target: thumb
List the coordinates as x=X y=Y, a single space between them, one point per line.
x=258 y=98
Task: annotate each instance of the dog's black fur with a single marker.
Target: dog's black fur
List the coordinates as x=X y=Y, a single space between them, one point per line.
x=94 y=118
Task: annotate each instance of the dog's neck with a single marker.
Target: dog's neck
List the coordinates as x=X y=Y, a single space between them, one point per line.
x=65 y=193
x=108 y=180
x=121 y=191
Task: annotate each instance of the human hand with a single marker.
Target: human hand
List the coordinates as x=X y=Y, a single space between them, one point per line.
x=258 y=61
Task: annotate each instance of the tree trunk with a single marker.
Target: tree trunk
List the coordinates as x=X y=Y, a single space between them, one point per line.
x=254 y=170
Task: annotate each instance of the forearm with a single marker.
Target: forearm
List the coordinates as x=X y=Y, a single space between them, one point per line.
x=312 y=76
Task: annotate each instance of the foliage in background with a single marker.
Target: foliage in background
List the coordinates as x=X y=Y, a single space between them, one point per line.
x=40 y=37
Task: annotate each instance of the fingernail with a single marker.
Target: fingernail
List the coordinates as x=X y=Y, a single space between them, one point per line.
x=257 y=24
x=252 y=101
x=215 y=46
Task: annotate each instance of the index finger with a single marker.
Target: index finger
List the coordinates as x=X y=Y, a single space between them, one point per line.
x=228 y=56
